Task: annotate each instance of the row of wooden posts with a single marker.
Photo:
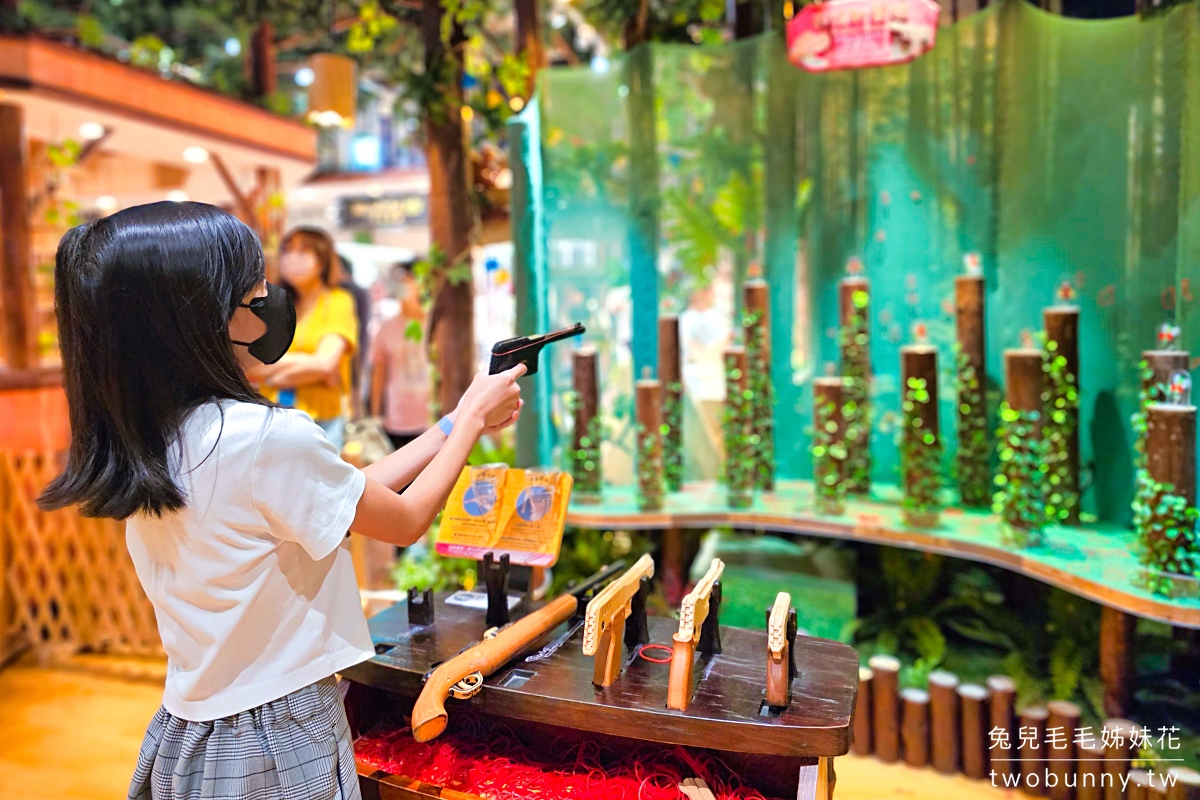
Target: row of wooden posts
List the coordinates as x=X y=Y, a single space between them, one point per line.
x=979 y=731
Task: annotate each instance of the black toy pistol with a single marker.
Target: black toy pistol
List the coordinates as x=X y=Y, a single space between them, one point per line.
x=508 y=353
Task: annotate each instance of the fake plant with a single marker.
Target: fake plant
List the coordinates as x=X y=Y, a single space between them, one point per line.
x=762 y=411
x=673 y=436
x=1021 y=480
x=856 y=365
x=829 y=460
x=739 y=452
x=1148 y=394
x=583 y=462
x=1061 y=401
x=920 y=456
x=649 y=469
x=1166 y=526
x=972 y=461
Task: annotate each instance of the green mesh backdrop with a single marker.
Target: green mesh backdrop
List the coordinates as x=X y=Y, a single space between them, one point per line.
x=1057 y=149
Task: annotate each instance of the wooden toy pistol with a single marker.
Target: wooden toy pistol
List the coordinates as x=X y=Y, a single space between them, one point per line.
x=781 y=664
x=507 y=353
x=692 y=614
x=604 y=622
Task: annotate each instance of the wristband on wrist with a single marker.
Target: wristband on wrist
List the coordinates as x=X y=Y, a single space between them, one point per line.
x=445 y=425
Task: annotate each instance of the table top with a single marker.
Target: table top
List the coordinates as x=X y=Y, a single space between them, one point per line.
x=726 y=711
x=1097 y=562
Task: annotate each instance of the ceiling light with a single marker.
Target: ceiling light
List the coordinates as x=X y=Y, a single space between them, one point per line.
x=195 y=155
x=91 y=131
x=304 y=76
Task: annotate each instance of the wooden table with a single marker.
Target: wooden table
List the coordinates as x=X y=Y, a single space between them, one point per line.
x=789 y=754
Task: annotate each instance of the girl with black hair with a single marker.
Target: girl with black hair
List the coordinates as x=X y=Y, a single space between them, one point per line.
x=236 y=509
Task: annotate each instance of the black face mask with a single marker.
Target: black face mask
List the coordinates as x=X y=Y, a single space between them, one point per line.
x=278 y=311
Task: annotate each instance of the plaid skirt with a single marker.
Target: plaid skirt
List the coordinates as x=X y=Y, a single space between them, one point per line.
x=294 y=748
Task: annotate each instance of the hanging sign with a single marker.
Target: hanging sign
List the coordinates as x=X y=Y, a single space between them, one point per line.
x=848 y=34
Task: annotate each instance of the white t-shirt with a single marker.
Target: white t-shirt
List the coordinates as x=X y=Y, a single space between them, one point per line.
x=254 y=593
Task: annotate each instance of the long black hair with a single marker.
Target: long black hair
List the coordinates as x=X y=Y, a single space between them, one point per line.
x=144 y=299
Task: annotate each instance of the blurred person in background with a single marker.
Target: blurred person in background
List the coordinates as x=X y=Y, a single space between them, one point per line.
x=315 y=374
x=401 y=383
x=362 y=309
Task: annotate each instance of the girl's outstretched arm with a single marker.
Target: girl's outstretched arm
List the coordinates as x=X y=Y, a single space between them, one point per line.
x=491 y=403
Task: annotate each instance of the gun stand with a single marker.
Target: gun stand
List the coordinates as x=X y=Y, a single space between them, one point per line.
x=495 y=577
x=420 y=607
x=710 y=632
x=637 y=627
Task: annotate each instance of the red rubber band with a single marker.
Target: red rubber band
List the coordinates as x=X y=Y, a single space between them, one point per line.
x=670 y=653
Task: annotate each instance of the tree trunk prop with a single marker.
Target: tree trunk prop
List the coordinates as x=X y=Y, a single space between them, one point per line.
x=756 y=324
x=885 y=699
x=920 y=443
x=586 y=439
x=650 y=445
x=914 y=726
x=945 y=720
x=1032 y=750
x=1002 y=719
x=1164 y=511
x=739 y=452
x=973 y=699
x=670 y=374
x=1061 y=416
x=974 y=438
x=829 y=446
x=1060 y=750
x=854 y=314
x=1020 y=500
x=861 y=743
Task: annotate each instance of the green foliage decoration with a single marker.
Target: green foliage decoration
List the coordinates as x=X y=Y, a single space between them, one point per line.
x=973 y=459
x=650 y=485
x=1166 y=527
x=855 y=341
x=673 y=436
x=1061 y=402
x=583 y=462
x=829 y=459
x=1022 y=478
x=739 y=466
x=762 y=411
x=920 y=455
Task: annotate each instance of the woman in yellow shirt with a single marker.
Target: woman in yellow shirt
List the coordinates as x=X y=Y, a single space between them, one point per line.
x=314 y=376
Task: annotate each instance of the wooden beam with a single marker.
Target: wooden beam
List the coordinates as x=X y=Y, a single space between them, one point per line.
x=1116 y=659
x=245 y=207
x=16 y=274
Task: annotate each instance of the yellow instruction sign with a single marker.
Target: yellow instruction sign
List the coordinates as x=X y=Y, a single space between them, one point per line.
x=501 y=510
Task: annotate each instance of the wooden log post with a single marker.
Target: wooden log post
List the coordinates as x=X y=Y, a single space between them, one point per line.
x=756 y=305
x=1117 y=757
x=649 y=439
x=1089 y=771
x=1062 y=328
x=828 y=446
x=885 y=700
x=585 y=438
x=670 y=374
x=1061 y=725
x=914 y=726
x=1185 y=784
x=1032 y=749
x=974 y=438
x=1023 y=512
x=861 y=744
x=944 y=720
x=1139 y=785
x=16 y=272
x=1171 y=461
x=854 y=316
x=739 y=456
x=1158 y=787
x=1002 y=749
x=1116 y=659
x=1160 y=364
x=921 y=444
x=973 y=700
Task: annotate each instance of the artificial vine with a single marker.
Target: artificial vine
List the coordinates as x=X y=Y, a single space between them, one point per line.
x=829 y=459
x=583 y=462
x=649 y=468
x=920 y=456
x=1166 y=528
x=1061 y=401
x=972 y=461
x=1021 y=480
x=762 y=419
x=856 y=367
x=673 y=436
x=739 y=456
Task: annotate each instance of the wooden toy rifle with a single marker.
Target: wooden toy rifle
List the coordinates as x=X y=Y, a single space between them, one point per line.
x=781 y=635
x=462 y=676
x=692 y=615
x=604 y=622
